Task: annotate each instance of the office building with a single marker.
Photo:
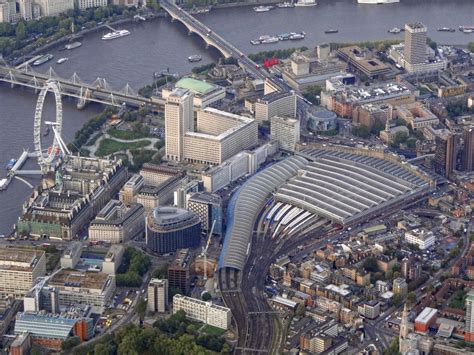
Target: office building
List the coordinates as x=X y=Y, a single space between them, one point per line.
x=248 y=162
x=51 y=330
x=204 y=94
x=89 y=4
x=55 y=7
x=206 y=312
x=170 y=228
x=158 y=295
x=5 y=16
x=71 y=255
x=425 y=319
x=178 y=271
x=423 y=238
x=321 y=120
x=219 y=136
x=21 y=345
x=286 y=131
x=344 y=100
x=127 y=3
x=275 y=104
x=45 y=299
x=469 y=327
x=155 y=175
x=113 y=259
x=370 y=114
x=182 y=194
x=12 y=11
x=116 y=223
x=445 y=152
x=151 y=197
x=370 y=310
x=400 y=286
x=87 y=288
x=415 y=43
x=179 y=119
x=363 y=61
x=467 y=160
x=19 y=269
x=416 y=115
x=209 y=208
x=82 y=187
x=128 y=193
x=312 y=67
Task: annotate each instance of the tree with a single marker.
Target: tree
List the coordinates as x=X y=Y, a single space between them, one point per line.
x=312 y=93
x=141 y=309
x=411 y=297
x=397 y=300
x=206 y=296
x=20 y=30
x=399 y=137
x=377 y=127
x=103 y=349
x=361 y=131
x=68 y=344
x=300 y=310
x=173 y=291
x=400 y=122
x=161 y=272
x=370 y=264
x=431 y=43
x=470 y=46
x=393 y=348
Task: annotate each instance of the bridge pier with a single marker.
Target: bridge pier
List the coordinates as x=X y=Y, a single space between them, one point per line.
x=82 y=101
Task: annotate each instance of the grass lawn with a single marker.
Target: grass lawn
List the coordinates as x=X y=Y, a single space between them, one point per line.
x=209 y=329
x=109 y=146
x=126 y=134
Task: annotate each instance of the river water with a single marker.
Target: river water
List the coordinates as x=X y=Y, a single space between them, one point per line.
x=160 y=44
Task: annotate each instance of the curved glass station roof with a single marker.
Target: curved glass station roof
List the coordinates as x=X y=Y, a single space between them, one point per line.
x=245 y=206
x=345 y=187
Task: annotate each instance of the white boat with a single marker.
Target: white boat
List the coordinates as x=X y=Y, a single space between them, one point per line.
x=72 y=45
x=62 y=60
x=255 y=41
x=45 y=58
x=194 y=58
x=271 y=39
x=295 y=36
x=262 y=8
x=115 y=34
x=394 y=30
x=466 y=29
x=377 y=2
x=305 y=3
x=283 y=5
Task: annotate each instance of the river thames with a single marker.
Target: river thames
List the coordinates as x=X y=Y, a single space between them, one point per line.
x=159 y=44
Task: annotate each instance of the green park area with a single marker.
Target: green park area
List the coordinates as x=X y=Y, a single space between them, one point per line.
x=129 y=135
x=210 y=330
x=110 y=146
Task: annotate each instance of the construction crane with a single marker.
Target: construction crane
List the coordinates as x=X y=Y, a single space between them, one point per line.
x=40 y=282
x=204 y=249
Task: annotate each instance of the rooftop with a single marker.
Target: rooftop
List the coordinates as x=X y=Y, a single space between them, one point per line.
x=346 y=187
x=195 y=86
x=79 y=279
x=426 y=315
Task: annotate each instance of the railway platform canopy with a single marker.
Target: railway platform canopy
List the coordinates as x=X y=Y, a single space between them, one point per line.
x=247 y=203
x=347 y=187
